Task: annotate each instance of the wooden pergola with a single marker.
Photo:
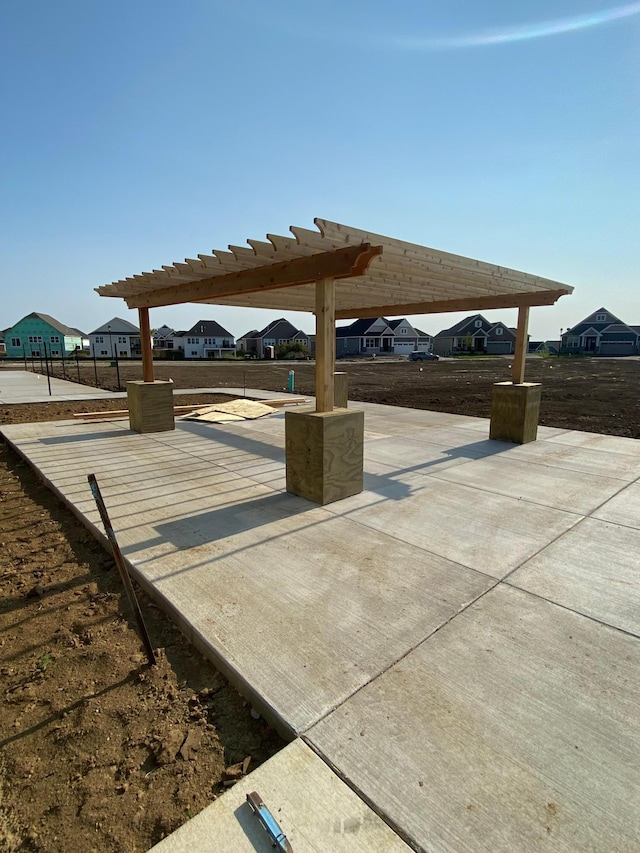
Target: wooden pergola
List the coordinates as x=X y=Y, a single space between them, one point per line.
x=337 y=272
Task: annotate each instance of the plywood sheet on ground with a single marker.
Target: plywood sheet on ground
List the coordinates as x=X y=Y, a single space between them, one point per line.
x=234 y=410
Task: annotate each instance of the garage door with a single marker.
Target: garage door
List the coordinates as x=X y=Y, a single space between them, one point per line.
x=617 y=348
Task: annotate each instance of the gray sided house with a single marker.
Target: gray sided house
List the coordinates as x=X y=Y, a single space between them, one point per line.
x=118 y=338
x=278 y=332
x=40 y=334
x=475 y=334
x=206 y=339
x=601 y=333
x=380 y=336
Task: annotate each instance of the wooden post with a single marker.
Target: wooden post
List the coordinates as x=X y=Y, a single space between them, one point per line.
x=521 y=345
x=325 y=343
x=145 y=343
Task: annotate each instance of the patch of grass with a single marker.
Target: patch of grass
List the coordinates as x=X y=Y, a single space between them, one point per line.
x=43 y=663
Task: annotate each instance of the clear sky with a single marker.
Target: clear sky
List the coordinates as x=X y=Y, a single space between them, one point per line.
x=138 y=133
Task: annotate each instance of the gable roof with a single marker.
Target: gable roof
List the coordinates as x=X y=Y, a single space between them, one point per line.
x=118 y=327
x=254 y=333
x=280 y=328
x=459 y=327
x=68 y=331
x=360 y=327
x=209 y=328
x=590 y=322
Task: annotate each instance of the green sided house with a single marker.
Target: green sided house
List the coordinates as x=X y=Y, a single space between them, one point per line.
x=40 y=334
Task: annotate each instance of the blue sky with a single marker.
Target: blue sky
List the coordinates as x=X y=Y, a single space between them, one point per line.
x=137 y=134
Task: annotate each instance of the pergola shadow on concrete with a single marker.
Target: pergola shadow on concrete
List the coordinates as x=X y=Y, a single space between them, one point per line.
x=337 y=272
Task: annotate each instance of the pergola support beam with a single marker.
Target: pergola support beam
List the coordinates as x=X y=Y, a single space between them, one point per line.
x=145 y=344
x=521 y=345
x=325 y=344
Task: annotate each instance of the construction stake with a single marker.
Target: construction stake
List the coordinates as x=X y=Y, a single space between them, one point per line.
x=122 y=567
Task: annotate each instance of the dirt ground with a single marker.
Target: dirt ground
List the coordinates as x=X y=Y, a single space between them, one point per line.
x=99 y=752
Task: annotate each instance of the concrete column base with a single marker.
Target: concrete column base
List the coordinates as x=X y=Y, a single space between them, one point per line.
x=515 y=410
x=324 y=454
x=150 y=406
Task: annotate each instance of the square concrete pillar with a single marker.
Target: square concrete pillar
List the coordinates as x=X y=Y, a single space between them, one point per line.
x=340 y=390
x=515 y=410
x=150 y=406
x=324 y=454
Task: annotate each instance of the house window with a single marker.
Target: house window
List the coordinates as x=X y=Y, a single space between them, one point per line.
x=99 y=339
x=499 y=330
x=16 y=342
x=601 y=318
x=269 y=342
x=122 y=340
x=194 y=352
x=35 y=339
x=55 y=352
x=403 y=331
x=54 y=339
x=371 y=343
x=103 y=352
x=282 y=340
x=573 y=342
x=478 y=324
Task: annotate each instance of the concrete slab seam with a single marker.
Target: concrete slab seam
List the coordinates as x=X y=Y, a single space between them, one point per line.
x=365 y=799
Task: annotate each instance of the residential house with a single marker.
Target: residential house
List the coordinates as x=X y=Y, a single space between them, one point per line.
x=277 y=332
x=3 y=346
x=207 y=339
x=163 y=338
x=39 y=335
x=602 y=333
x=379 y=335
x=117 y=337
x=475 y=334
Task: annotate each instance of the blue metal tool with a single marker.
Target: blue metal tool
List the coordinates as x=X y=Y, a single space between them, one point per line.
x=277 y=836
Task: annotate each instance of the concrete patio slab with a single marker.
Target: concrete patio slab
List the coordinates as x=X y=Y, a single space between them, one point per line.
x=605 y=461
x=316 y=811
x=514 y=727
x=243 y=567
x=547 y=485
x=593 y=569
x=487 y=532
x=624 y=508
x=22 y=386
x=379 y=626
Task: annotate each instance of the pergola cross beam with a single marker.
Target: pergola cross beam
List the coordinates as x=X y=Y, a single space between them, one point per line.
x=347 y=262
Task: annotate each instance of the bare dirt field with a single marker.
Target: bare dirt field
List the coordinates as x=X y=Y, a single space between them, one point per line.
x=596 y=395
x=97 y=750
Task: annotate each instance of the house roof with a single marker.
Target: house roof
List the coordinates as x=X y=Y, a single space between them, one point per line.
x=51 y=321
x=375 y=275
x=118 y=327
x=359 y=328
x=210 y=328
x=461 y=325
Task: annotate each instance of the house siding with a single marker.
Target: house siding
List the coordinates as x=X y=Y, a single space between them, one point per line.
x=33 y=333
